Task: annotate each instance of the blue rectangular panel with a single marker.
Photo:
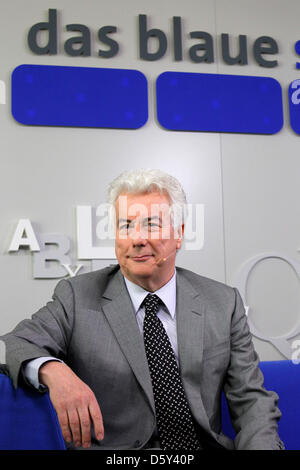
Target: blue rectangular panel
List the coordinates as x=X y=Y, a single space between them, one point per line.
x=294 y=105
x=219 y=103
x=47 y=95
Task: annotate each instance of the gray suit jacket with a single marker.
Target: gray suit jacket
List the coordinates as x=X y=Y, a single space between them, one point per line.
x=90 y=324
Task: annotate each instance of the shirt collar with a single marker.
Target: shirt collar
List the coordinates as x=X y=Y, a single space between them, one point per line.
x=166 y=293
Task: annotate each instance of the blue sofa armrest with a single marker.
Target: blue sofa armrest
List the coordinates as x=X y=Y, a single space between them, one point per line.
x=283 y=377
x=28 y=420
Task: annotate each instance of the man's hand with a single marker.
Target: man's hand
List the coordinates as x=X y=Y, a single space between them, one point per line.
x=74 y=402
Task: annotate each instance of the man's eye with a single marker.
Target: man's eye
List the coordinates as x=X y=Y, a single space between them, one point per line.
x=124 y=227
x=153 y=225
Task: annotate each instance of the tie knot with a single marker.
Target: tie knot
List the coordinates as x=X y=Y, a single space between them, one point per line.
x=151 y=303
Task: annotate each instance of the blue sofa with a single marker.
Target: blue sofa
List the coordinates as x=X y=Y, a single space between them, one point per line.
x=28 y=420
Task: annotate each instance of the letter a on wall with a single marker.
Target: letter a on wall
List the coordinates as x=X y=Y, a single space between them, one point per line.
x=24 y=236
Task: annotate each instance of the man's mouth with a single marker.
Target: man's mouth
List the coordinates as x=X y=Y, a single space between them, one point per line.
x=141 y=258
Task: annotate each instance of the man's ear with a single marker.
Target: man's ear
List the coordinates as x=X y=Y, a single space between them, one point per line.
x=180 y=232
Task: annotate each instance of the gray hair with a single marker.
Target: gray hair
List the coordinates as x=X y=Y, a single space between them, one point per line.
x=146 y=181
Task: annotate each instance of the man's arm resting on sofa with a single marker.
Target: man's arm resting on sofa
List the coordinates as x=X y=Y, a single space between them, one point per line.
x=254 y=410
x=74 y=402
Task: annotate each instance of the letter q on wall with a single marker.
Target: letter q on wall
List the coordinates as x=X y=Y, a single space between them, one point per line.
x=281 y=342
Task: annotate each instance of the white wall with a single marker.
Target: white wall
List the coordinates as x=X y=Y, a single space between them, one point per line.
x=248 y=183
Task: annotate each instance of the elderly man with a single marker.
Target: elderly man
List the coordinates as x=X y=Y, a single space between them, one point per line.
x=136 y=355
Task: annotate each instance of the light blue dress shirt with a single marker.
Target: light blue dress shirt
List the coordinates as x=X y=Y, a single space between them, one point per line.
x=166 y=313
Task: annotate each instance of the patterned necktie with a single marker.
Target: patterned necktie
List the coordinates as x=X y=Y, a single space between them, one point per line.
x=173 y=416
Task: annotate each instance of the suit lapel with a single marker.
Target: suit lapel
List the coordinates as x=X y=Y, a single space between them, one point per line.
x=190 y=315
x=121 y=317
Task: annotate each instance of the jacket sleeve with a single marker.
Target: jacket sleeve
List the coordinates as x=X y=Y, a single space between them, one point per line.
x=253 y=409
x=47 y=333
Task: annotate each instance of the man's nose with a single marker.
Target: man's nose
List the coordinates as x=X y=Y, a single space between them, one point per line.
x=139 y=236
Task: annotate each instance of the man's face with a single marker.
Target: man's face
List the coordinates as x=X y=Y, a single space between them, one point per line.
x=145 y=242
